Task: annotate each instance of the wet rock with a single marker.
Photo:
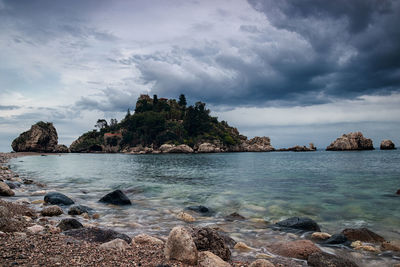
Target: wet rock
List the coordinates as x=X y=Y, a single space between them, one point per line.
x=79 y=209
x=351 y=141
x=208 y=239
x=180 y=246
x=95 y=234
x=96 y=216
x=322 y=259
x=85 y=216
x=320 y=236
x=23 y=201
x=261 y=263
x=234 y=217
x=304 y=224
x=28 y=181
x=56 y=198
x=51 y=211
x=42 y=137
x=199 y=209
x=69 y=223
x=391 y=245
x=117 y=243
x=336 y=239
x=242 y=247
x=207 y=259
x=398 y=192
x=147 y=239
x=35 y=229
x=299 y=249
x=38 y=201
x=362 y=234
x=368 y=248
x=186 y=217
x=116 y=197
x=5 y=190
x=11 y=185
x=387 y=145
x=229 y=241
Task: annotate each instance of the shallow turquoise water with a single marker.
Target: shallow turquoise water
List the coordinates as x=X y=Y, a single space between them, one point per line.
x=337 y=189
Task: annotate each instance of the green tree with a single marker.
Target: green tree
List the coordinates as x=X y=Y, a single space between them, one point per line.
x=101 y=124
x=182 y=100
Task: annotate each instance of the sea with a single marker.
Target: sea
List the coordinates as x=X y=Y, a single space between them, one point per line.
x=338 y=190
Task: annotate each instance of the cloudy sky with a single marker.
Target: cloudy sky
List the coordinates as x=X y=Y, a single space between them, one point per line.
x=297 y=71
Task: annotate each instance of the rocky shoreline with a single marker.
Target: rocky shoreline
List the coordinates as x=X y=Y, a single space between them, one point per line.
x=32 y=233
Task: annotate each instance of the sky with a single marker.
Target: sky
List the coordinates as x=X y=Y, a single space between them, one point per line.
x=296 y=71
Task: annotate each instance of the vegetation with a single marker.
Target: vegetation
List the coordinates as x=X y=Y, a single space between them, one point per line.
x=157 y=121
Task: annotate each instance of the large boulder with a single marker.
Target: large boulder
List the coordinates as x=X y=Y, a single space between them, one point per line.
x=208 y=239
x=56 y=198
x=304 y=224
x=351 y=141
x=257 y=144
x=322 y=259
x=299 y=249
x=116 y=197
x=362 y=234
x=387 y=145
x=42 y=137
x=98 y=235
x=165 y=148
x=180 y=246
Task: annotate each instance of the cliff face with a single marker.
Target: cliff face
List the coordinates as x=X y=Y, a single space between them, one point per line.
x=42 y=137
x=351 y=141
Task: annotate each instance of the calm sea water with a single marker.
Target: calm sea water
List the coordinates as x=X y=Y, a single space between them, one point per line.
x=337 y=189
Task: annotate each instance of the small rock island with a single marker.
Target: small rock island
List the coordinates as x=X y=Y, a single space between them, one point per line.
x=42 y=138
x=351 y=141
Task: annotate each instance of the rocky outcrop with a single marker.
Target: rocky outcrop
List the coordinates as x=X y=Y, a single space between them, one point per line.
x=300 y=148
x=116 y=197
x=257 y=144
x=42 y=137
x=387 y=145
x=208 y=148
x=351 y=141
x=303 y=224
x=56 y=198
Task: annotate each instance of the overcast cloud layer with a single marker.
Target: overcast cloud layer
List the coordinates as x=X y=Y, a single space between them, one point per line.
x=298 y=71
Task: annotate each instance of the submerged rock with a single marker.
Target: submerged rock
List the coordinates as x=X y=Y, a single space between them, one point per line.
x=208 y=239
x=299 y=249
x=362 y=234
x=116 y=197
x=322 y=259
x=387 y=145
x=95 y=234
x=180 y=246
x=79 y=209
x=336 y=239
x=261 y=263
x=68 y=224
x=42 y=137
x=56 y=198
x=200 y=209
x=304 y=224
x=234 y=216
x=351 y=141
